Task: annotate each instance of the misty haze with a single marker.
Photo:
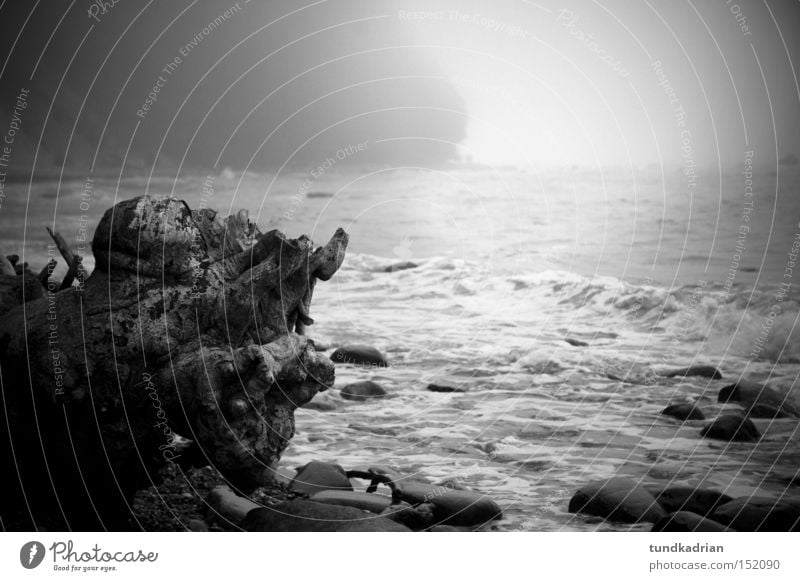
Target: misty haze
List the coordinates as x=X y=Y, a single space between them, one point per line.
x=553 y=283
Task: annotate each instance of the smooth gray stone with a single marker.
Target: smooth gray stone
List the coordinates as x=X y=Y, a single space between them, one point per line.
x=359 y=355
x=695 y=370
x=363 y=391
x=308 y=516
x=684 y=411
x=376 y=503
x=229 y=506
x=440 y=388
x=317 y=476
x=688 y=499
x=687 y=522
x=759 y=401
x=731 y=428
x=400 y=266
x=450 y=506
x=619 y=499
x=755 y=513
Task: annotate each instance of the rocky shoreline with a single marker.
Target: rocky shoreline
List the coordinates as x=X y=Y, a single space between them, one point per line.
x=190 y=273
x=164 y=272
x=320 y=497
x=307 y=500
x=670 y=508
x=688 y=509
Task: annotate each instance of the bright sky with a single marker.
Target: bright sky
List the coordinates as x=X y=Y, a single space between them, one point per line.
x=542 y=83
x=575 y=82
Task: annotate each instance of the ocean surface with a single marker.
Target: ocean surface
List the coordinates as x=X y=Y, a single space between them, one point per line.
x=652 y=269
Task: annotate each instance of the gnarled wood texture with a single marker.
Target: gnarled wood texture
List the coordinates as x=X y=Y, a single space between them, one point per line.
x=190 y=324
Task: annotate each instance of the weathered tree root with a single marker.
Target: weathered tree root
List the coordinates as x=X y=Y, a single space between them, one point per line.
x=74 y=262
x=190 y=325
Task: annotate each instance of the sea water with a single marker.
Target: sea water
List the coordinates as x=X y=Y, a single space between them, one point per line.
x=651 y=271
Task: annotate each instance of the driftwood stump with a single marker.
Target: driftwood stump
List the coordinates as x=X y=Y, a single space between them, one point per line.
x=191 y=327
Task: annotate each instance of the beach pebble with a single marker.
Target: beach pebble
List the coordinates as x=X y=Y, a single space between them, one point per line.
x=450 y=506
x=363 y=391
x=731 y=428
x=687 y=522
x=446 y=529
x=464 y=508
x=377 y=430
x=695 y=370
x=759 y=401
x=753 y=513
x=359 y=355
x=229 y=506
x=400 y=266
x=605 y=335
x=684 y=411
x=441 y=388
x=308 y=516
x=375 y=503
x=689 y=499
x=196 y=525
x=618 y=498
x=417 y=518
x=322 y=402
x=317 y=476
x=576 y=342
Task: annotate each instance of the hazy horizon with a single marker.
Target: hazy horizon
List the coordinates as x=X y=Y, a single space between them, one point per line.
x=511 y=83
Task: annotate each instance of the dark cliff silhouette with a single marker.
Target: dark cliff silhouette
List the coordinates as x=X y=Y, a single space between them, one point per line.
x=218 y=82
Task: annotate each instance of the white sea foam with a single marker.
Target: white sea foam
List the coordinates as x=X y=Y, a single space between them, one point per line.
x=509 y=265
